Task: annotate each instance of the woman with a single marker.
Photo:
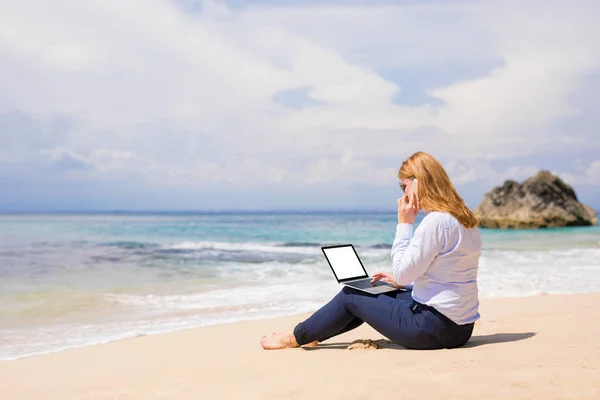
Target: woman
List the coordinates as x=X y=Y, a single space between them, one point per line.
x=438 y=265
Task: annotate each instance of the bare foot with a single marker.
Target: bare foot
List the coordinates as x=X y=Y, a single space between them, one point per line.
x=312 y=344
x=278 y=341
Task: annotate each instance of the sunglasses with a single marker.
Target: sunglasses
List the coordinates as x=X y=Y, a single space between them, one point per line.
x=403 y=186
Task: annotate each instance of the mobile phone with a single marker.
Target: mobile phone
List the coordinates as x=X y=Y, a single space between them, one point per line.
x=414 y=189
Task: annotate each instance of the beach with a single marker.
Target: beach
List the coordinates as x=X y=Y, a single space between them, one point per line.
x=72 y=280
x=172 y=306
x=538 y=347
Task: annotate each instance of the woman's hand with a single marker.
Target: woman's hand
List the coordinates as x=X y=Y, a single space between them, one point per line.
x=408 y=208
x=384 y=276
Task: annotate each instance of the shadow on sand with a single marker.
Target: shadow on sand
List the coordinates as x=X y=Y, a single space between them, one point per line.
x=481 y=340
x=475 y=341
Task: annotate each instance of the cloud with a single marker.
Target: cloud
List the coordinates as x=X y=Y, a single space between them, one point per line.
x=593 y=172
x=588 y=175
x=346 y=169
x=64 y=159
x=197 y=94
x=479 y=171
x=295 y=98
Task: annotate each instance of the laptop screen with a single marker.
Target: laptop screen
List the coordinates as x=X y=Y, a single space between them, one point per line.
x=344 y=262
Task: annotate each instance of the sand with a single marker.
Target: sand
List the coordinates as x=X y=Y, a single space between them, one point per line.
x=542 y=347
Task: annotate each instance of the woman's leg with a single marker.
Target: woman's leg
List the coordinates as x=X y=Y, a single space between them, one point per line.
x=405 y=295
x=390 y=316
x=339 y=322
x=356 y=322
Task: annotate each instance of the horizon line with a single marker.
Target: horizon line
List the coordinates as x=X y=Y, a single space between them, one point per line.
x=183 y=211
x=199 y=211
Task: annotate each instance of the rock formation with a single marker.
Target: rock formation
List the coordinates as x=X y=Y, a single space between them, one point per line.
x=542 y=201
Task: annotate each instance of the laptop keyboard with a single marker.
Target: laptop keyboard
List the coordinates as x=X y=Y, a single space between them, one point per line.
x=365 y=284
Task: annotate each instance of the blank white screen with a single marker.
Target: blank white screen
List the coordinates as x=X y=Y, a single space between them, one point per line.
x=344 y=262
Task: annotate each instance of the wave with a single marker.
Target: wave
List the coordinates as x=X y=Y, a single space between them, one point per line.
x=166 y=313
x=300 y=244
x=244 y=246
x=131 y=245
x=224 y=252
x=314 y=244
x=386 y=246
x=219 y=299
x=273 y=247
x=58 y=338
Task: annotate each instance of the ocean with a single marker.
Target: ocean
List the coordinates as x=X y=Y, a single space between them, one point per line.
x=70 y=280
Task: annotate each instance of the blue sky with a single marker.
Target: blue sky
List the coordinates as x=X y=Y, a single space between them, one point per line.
x=163 y=104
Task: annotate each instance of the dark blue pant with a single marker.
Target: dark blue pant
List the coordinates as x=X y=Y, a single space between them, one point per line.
x=394 y=314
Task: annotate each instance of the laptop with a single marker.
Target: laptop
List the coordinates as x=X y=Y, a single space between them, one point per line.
x=349 y=270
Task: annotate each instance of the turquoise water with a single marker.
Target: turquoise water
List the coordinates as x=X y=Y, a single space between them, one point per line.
x=71 y=280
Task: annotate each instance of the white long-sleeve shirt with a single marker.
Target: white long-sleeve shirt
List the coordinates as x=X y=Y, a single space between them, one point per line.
x=441 y=261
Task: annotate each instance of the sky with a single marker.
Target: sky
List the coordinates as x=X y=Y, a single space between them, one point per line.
x=283 y=105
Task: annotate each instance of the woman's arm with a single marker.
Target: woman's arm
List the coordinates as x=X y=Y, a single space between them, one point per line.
x=412 y=255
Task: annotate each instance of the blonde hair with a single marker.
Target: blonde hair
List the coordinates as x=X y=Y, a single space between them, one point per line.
x=436 y=191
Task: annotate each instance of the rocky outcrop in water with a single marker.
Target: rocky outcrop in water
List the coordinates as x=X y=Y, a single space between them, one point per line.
x=542 y=201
